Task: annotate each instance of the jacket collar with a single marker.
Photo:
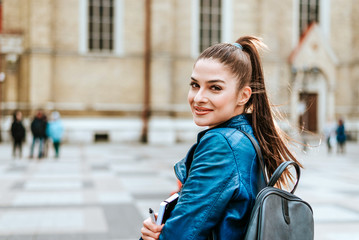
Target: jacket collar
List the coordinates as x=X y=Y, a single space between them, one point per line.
x=234 y=122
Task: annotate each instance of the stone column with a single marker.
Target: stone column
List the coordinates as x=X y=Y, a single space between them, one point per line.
x=40 y=31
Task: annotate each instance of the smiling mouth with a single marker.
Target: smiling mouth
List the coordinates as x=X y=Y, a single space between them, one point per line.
x=201 y=110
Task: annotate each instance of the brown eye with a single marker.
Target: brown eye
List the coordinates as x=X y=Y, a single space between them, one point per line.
x=216 y=88
x=194 y=85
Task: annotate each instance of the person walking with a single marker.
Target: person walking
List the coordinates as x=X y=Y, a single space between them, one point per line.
x=38 y=129
x=341 y=136
x=220 y=174
x=18 y=133
x=55 y=132
x=329 y=134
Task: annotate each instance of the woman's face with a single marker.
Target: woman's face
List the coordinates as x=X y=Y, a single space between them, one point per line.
x=213 y=96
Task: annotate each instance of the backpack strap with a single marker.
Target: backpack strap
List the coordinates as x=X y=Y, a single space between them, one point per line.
x=278 y=172
x=259 y=155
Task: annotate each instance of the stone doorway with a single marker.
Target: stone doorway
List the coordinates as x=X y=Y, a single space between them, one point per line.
x=308 y=119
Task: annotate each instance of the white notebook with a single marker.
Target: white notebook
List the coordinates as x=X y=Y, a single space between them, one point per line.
x=166 y=208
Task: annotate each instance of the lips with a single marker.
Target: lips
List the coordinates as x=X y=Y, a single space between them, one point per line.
x=201 y=110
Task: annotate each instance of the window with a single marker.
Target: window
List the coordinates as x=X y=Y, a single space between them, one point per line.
x=100 y=25
x=308 y=13
x=210 y=23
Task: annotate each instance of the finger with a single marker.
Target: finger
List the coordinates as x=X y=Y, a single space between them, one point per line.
x=150 y=229
x=147 y=234
x=147 y=238
x=152 y=226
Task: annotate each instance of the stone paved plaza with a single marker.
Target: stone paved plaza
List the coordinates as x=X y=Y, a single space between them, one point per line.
x=103 y=191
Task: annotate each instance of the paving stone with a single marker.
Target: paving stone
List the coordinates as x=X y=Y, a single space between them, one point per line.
x=103 y=191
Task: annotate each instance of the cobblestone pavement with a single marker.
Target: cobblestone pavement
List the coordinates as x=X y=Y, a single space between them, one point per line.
x=103 y=191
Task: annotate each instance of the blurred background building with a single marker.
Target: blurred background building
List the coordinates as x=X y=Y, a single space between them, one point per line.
x=117 y=70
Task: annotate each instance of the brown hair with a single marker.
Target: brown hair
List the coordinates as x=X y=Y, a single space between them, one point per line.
x=245 y=63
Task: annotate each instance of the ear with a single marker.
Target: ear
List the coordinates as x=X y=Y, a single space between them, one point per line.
x=244 y=95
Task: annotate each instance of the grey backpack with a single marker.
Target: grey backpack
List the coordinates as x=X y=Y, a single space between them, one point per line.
x=278 y=214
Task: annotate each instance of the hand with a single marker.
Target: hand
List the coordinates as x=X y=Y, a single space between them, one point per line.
x=151 y=231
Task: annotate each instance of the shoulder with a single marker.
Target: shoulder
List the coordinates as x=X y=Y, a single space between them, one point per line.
x=216 y=140
x=233 y=141
x=231 y=136
x=227 y=143
x=213 y=149
x=225 y=132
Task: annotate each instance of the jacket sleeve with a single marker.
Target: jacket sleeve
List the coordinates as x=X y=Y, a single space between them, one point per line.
x=13 y=130
x=206 y=192
x=24 y=133
x=32 y=127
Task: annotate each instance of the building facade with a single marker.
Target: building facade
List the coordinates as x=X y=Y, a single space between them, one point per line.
x=86 y=59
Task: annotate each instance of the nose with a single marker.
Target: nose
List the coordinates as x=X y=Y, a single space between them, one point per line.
x=200 y=97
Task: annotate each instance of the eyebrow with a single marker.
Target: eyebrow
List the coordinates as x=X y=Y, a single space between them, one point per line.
x=210 y=81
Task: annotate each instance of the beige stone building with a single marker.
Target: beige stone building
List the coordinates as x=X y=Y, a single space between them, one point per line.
x=86 y=59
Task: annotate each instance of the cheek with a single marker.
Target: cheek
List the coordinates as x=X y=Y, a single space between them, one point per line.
x=190 y=96
x=223 y=103
x=227 y=102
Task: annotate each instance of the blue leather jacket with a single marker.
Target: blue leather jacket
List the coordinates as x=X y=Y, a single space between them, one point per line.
x=221 y=179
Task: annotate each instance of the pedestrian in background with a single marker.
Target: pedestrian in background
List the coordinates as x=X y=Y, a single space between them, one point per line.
x=55 y=131
x=329 y=134
x=38 y=130
x=18 y=133
x=341 y=136
x=220 y=174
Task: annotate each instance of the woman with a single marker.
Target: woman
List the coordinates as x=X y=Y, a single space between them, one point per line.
x=220 y=174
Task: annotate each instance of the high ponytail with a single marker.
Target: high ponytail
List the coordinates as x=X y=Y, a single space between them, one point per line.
x=272 y=140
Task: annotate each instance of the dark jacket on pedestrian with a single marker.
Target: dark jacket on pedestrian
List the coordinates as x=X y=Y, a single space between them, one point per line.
x=341 y=137
x=18 y=132
x=38 y=128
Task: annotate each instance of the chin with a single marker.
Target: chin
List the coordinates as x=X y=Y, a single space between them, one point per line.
x=200 y=123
